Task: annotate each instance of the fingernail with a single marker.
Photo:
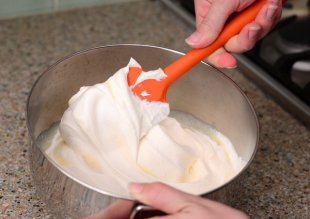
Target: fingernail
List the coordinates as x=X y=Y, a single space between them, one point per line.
x=194 y=38
x=231 y=67
x=136 y=188
x=271 y=11
x=253 y=32
x=276 y=2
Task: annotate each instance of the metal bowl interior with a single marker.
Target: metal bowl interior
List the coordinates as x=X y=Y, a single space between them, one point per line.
x=204 y=92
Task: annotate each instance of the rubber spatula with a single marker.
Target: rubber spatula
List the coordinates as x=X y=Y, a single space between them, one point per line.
x=155 y=90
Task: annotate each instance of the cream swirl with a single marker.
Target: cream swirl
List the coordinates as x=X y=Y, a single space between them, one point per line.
x=108 y=137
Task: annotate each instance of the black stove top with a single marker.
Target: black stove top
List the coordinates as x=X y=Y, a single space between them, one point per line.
x=285 y=54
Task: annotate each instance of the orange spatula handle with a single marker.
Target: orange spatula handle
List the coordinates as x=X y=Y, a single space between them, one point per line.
x=232 y=28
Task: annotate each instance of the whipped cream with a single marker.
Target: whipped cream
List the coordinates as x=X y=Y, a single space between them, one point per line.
x=108 y=138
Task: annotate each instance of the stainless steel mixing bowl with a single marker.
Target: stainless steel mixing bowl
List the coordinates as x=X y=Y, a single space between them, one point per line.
x=203 y=92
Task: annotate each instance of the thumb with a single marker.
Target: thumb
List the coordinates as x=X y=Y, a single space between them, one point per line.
x=160 y=196
x=213 y=22
x=211 y=25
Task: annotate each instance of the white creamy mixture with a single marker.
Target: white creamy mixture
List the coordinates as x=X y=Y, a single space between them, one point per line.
x=108 y=138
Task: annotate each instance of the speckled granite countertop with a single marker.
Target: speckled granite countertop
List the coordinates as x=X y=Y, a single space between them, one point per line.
x=277 y=185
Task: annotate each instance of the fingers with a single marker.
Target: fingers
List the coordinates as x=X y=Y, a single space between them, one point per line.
x=213 y=22
x=240 y=43
x=245 y=40
x=118 y=210
x=222 y=59
x=211 y=17
x=181 y=205
x=161 y=197
x=251 y=33
x=269 y=15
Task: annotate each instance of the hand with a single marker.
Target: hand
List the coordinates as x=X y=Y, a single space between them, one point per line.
x=176 y=204
x=211 y=16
